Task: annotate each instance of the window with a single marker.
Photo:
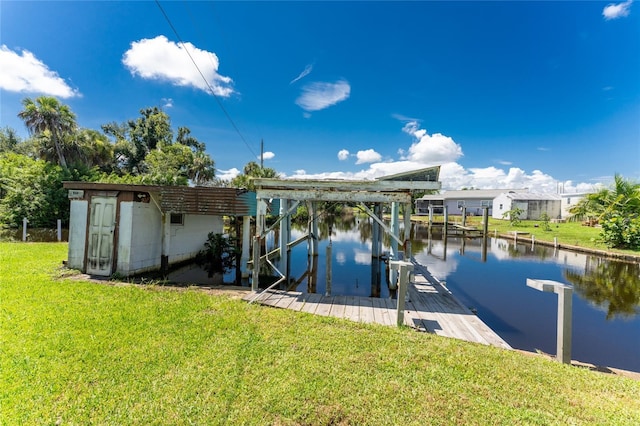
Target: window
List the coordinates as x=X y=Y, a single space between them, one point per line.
x=500 y=206
x=460 y=204
x=569 y=200
x=177 y=219
x=485 y=203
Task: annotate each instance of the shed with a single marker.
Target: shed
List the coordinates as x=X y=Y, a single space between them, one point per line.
x=533 y=205
x=569 y=200
x=129 y=229
x=473 y=199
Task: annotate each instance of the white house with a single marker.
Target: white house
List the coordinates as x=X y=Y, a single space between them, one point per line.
x=473 y=199
x=128 y=229
x=533 y=205
x=569 y=200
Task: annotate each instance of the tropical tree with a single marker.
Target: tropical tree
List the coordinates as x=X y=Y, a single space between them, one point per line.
x=617 y=209
x=251 y=171
x=144 y=148
x=47 y=114
x=9 y=140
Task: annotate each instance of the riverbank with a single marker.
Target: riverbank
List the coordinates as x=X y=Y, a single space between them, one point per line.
x=580 y=249
x=569 y=235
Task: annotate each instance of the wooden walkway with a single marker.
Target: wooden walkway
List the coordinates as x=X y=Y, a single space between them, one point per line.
x=430 y=308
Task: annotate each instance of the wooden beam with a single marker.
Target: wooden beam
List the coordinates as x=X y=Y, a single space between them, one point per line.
x=345 y=185
x=323 y=195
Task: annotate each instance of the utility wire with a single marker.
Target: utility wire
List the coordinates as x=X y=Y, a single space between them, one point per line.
x=205 y=80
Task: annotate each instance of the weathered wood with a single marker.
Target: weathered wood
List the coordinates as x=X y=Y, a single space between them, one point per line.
x=265 y=184
x=431 y=308
x=324 y=306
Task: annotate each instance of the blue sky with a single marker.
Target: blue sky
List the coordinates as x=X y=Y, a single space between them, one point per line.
x=501 y=94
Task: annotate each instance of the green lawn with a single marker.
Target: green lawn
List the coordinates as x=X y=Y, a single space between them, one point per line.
x=74 y=352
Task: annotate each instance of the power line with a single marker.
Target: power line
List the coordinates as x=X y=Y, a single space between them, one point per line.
x=205 y=80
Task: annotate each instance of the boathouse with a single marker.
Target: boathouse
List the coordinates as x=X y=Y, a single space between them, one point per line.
x=129 y=229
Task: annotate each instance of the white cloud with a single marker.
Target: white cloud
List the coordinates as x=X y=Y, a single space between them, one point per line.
x=431 y=149
x=543 y=149
x=161 y=59
x=267 y=155
x=343 y=154
x=320 y=95
x=167 y=102
x=452 y=174
x=227 y=174
x=305 y=72
x=615 y=11
x=24 y=73
x=368 y=156
x=504 y=162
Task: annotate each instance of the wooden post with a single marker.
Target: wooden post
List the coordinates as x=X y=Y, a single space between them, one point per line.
x=24 y=228
x=485 y=232
x=485 y=222
x=445 y=211
x=405 y=269
x=375 y=234
x=246 y=243
x=395 y=253
x=313 y=229
x=464 y=216
x=564 y=326
x=283 y=238
x=407 y=232
x=59 y=230
x=261 y=211
x=430 y=216
x=327 y=291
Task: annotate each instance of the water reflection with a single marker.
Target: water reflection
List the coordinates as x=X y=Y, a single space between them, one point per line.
x=612 y=285
x=492 y=280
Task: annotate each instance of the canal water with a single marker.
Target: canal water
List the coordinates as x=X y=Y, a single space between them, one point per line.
x=606 y=297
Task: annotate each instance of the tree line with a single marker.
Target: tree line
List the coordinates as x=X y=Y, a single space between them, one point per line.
x=144 y=150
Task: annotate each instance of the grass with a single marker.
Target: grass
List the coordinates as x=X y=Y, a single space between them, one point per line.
x=76 y=352
x=568 y=233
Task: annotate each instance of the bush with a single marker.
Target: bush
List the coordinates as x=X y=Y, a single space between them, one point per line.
x=621 y=231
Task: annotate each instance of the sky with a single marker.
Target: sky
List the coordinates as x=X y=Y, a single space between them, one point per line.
x=540 y=95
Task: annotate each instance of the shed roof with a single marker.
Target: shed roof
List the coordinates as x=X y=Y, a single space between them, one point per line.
x=183 y=199
x=470 y=194
x=527 y=196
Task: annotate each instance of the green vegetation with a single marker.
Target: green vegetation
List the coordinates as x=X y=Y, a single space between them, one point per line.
x=617 y=209
x=513 y=216
x=76 y=352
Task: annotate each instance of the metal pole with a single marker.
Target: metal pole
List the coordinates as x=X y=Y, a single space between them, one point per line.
x=24 y=228
x=59 y=230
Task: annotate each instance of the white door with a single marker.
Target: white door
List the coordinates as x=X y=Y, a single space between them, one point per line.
x=102 y=223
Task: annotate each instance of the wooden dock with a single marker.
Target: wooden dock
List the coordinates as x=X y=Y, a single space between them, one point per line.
x=430 y=308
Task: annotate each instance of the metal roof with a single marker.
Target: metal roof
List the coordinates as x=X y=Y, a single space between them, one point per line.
x=184 y=199
x=530 y=196
x=475 y=194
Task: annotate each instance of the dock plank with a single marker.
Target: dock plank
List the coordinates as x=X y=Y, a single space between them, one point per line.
x=324 y=306
x=430 y=307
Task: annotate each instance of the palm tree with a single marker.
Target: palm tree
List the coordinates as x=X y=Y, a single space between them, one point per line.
x=623 y=197
x=46 y=113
